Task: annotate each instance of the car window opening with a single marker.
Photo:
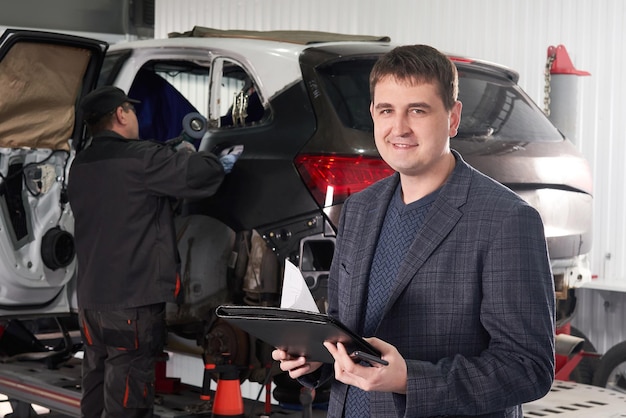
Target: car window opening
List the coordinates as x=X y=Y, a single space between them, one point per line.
x=169 y=90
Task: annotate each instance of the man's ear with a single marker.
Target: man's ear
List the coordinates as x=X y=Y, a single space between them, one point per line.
x=455 y=119
x=121 y=116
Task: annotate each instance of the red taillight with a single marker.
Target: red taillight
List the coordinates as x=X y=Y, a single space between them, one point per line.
x=331 y=179
x=461 y=59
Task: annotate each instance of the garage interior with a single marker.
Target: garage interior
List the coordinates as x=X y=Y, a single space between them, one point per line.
x=517 y=34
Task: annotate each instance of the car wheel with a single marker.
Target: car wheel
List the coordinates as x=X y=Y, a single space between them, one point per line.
x=611 y=371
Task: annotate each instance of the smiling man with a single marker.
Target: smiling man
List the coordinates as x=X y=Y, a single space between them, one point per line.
x=445 y=269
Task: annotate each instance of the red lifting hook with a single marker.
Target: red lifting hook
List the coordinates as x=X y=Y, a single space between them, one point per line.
x=562 y=63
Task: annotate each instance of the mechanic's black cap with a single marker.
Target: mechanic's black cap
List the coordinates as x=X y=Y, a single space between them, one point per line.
x=102 y=101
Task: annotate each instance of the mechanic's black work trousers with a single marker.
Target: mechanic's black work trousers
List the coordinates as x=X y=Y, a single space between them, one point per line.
x=120 y=350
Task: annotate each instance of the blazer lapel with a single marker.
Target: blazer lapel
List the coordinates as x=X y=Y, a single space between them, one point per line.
x=442 y=217
x=370 y=223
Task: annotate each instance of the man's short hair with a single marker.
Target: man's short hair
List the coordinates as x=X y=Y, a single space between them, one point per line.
x=418 y=64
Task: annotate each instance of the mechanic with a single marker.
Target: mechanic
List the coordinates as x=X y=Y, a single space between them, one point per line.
x=121 y=191
x=445 y=267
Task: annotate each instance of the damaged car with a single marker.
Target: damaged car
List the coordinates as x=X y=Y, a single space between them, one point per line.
x=298 y=103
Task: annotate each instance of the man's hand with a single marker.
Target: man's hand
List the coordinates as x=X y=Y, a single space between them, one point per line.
x=185 y=146
x=296 y=366
x=180 y=144
x=228 y=161
x=229 y=156
x=390 y=378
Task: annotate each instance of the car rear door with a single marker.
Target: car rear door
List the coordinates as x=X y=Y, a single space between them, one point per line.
x=42 y=78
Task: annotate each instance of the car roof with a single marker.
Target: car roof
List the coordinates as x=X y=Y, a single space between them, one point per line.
x=348 y=42
x=304 y=37
x=274 y=55
x=275 y=64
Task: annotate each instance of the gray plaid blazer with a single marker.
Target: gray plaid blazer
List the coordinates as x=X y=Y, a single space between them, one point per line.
x=472 y=309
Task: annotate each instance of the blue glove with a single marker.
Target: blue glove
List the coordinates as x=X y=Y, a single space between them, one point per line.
x=228 y=161
x=229 y=156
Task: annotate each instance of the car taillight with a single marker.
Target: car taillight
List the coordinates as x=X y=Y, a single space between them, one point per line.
x=460 y=59
x=331 y=178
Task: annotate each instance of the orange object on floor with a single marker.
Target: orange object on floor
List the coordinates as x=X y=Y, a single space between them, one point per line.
x=228 y=402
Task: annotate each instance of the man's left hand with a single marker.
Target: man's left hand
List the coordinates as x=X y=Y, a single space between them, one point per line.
x=389 y=378
x=185 y=146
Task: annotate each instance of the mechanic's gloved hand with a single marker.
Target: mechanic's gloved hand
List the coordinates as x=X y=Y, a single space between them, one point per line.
x=229 y=156
x=228 y=161
x=180 y=143
x=185 y=147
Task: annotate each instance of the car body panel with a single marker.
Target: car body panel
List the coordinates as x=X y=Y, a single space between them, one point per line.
x=42 y=76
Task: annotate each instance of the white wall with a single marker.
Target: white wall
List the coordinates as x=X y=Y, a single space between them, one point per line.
x=515 y=33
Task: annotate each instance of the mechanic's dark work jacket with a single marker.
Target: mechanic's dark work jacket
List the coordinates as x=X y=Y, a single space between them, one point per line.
x=120 y=192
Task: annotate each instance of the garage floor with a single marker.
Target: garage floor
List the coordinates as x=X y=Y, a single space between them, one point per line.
x=5 y=409
x=58 y=389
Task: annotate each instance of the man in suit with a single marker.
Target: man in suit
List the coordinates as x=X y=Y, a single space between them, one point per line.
x=445 y=267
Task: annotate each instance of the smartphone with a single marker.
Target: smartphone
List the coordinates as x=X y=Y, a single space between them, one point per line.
x=360 y=355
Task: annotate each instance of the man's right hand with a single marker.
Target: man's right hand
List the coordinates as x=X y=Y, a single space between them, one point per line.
x=296 y=366
x=229 y=156
x=228 y=161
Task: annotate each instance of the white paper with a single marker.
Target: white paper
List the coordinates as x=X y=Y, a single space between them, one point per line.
x=296 y=293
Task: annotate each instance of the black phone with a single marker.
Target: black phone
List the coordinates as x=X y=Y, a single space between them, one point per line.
x=370 y=358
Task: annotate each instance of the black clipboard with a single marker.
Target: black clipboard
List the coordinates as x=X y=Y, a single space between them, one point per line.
x=300 y=333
